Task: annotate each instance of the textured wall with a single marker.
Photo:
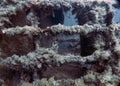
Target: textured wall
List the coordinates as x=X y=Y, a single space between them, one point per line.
x=40 y=47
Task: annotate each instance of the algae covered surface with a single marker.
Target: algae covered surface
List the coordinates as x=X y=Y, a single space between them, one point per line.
x=59 y=43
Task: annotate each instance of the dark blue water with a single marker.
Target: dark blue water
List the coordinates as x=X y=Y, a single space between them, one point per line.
x=116 y=18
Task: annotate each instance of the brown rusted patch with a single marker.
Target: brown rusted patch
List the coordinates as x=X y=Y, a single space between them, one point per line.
x=19 y=44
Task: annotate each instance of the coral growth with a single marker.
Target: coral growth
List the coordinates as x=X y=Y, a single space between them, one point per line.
x=38 y=49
